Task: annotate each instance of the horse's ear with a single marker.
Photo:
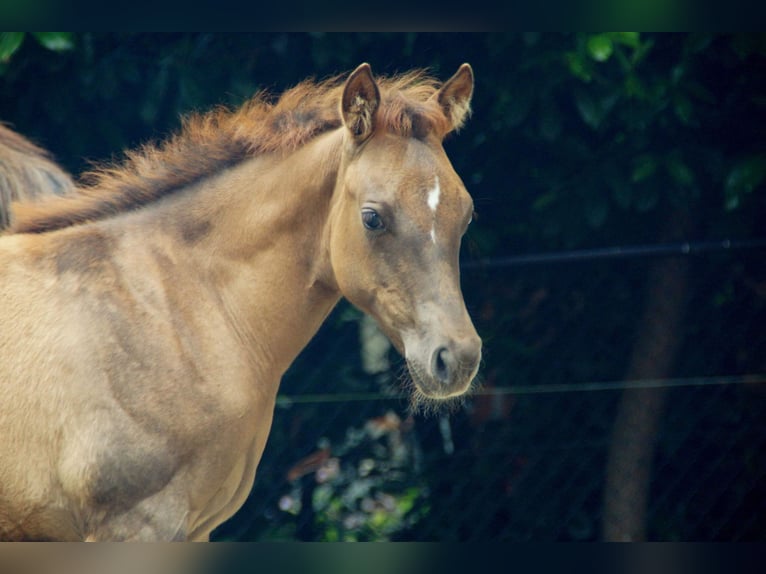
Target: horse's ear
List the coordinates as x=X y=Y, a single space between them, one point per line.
x=455 y=96
x=359 y=103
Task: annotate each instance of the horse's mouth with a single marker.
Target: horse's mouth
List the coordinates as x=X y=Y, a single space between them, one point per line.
x=429 y=387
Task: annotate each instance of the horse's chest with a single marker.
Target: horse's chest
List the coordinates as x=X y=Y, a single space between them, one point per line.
x=202 y=446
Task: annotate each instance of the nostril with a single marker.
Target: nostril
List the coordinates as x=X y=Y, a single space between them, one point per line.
x=441 y=365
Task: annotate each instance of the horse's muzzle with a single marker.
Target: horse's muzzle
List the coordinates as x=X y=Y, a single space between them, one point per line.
x=451 y=368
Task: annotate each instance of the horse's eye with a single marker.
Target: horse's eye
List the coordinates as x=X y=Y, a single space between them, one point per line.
x=372 y=220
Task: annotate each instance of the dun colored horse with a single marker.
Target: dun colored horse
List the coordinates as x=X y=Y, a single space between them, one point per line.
x=148 y=318
x=26 y=173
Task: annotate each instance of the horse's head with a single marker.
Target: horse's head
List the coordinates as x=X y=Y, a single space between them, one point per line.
x=397 y=223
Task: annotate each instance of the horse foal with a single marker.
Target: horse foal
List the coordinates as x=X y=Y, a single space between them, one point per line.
x=147 y=318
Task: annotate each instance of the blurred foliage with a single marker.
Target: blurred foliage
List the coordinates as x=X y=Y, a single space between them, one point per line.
x=363 y=489
x=577 y=140
x=10 y=42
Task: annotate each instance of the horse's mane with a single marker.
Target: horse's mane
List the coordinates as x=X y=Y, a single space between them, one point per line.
x=26 y=173
x=210 y=142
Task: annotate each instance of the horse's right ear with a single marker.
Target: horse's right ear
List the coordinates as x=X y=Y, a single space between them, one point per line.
x=359 y=103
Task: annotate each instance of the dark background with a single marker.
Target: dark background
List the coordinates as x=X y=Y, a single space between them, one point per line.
x=621 y=393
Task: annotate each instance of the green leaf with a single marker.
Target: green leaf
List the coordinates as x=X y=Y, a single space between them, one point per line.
x=679 y=171
x=55 y=41
x=634 y=88
x=630 y=39
x=646 y=198
x=701 y=92
x=642 y=50
x=578 y=66
x=9 y=43
x=600 y=47
x=588 y=109
x=643 y=168
x=544 y=201
x=594 y=111
x=683 y=109
x=745 y=176
x=697 y=42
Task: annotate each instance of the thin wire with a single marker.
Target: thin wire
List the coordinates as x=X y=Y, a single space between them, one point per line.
x=287 y=400
x=619 y=252
x=622 y=385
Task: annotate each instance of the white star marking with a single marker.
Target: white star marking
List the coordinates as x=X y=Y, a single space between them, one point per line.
x=433 y=202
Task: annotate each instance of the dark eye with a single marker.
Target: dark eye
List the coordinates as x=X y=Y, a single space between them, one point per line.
x=372 y=220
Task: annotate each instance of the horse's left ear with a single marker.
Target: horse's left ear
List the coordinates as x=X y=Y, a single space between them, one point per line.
x=359 y=103
x=455 y=96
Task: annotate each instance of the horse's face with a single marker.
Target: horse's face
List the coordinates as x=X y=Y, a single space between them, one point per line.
x=395 y=242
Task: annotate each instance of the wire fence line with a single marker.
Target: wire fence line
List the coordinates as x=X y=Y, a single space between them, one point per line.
x=748 y=379
x=685 y=248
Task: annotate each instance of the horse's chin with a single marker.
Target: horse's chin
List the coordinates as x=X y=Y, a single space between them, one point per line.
x=428 y=395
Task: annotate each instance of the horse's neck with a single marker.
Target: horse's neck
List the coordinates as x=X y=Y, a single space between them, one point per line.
x=256 y=232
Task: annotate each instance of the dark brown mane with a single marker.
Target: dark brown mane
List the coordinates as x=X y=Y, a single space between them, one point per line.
x=211 y=142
